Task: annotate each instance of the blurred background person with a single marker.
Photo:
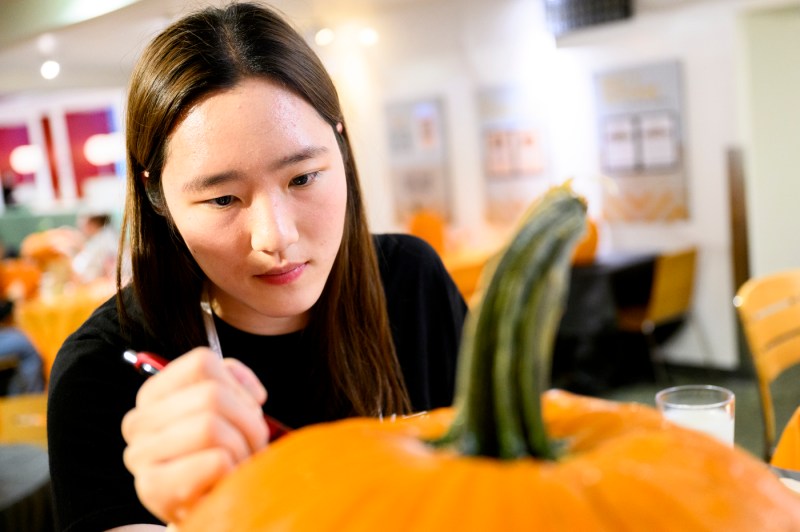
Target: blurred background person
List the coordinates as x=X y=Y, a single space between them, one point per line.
x=18 y=356
x=97 y=258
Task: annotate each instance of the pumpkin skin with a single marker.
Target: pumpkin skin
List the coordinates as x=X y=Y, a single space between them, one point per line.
x=625 y=468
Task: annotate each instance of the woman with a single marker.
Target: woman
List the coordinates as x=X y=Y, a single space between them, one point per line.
x=248 y=238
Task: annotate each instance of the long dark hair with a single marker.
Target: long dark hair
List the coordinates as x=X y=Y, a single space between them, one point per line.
x=213 y=50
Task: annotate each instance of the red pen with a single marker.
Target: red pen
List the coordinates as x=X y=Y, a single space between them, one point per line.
x=150 y=364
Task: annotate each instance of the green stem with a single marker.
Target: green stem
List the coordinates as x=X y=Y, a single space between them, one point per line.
x=507 y=345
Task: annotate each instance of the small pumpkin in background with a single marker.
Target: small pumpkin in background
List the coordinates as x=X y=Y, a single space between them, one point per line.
x=586 y=249
x=429 y=226
x=507 y=456
x=19 y=278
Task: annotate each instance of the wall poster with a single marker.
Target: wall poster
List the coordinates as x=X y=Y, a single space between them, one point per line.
x=418 y=159
x=513 y=155
x=641 y=139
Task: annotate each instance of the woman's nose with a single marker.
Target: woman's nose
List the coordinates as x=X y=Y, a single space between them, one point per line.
x=272 y=227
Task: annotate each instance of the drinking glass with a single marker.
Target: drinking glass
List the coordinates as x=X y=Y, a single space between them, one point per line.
x=703 y=407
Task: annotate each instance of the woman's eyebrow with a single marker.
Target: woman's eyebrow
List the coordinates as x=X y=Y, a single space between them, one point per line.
x=299 y=156
x=201 y=183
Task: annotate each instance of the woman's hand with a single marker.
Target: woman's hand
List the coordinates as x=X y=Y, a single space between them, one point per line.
x=193 y=422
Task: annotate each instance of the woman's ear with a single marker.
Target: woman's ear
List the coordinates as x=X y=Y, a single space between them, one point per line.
x=339 y=127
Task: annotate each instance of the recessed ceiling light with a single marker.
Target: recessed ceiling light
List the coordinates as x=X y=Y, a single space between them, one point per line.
x=26 y=159
x=46 y=43
x=368 y=36
x=50 y=69
x=324 y=37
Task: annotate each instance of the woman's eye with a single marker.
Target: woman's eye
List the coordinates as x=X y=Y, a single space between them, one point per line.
x=222 y=201
x=303 y=180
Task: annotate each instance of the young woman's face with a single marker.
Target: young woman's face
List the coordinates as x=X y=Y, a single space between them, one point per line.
x=255 y=184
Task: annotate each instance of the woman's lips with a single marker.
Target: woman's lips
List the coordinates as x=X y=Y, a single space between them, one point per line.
x=283 y=275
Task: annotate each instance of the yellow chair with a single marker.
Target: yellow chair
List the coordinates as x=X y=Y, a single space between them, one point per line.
x=669 y=301
x=769 y=311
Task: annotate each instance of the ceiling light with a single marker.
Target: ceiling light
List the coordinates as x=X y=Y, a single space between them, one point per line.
x=324 y=37
x=50 y=69
x=367 y=36
x=46 y=43
x=104 y=148
x=26 y=159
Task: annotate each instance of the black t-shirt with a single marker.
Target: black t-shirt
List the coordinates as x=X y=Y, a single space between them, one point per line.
x=91 y=388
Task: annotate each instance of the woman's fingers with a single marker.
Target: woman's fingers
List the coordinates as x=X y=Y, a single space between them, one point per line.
x=192 y=423
x=198 y=365
x=246 y=378
x=205 y=398
x=192 y=434
x=171 y=490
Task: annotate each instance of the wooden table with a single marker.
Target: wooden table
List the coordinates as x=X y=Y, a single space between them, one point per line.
x=598 y=289
x=589 y=355
x=48 y=321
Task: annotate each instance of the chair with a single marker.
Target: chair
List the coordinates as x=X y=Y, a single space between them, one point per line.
x=669 y=303
x=769 y=311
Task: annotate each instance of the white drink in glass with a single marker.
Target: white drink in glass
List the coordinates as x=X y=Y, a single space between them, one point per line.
x=702 y=407
x=717 y=423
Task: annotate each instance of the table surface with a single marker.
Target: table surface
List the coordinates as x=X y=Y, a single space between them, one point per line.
x=589 y=355
x=599 y=289
x=48 y=321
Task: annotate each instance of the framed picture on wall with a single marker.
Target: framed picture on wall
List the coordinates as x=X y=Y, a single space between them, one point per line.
x=418 y=158
x=513 y=143
x=641 y=141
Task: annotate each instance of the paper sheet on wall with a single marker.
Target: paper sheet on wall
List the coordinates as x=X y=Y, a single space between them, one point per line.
x=641 y=139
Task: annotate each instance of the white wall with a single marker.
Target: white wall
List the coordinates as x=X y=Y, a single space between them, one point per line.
x=772 y=122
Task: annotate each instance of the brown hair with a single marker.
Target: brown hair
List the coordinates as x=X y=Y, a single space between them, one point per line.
x=213 y=50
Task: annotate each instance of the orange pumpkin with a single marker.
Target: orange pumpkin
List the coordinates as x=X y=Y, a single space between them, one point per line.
x=19 y=278
x=586 y=249
x=429 y=226
x=506 y=457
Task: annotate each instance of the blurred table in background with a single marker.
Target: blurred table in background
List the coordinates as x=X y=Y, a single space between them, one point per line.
x=584 y=353
x=598 y=289
x=23 y=419
x=49 y=319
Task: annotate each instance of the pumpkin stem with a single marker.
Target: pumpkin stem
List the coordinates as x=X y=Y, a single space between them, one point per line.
x=507 y=346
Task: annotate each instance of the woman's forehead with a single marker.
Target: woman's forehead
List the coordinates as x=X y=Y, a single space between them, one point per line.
x=256 y=119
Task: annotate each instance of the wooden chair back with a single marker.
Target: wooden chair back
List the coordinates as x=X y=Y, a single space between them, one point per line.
x=673 y=286
x=769 y=311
